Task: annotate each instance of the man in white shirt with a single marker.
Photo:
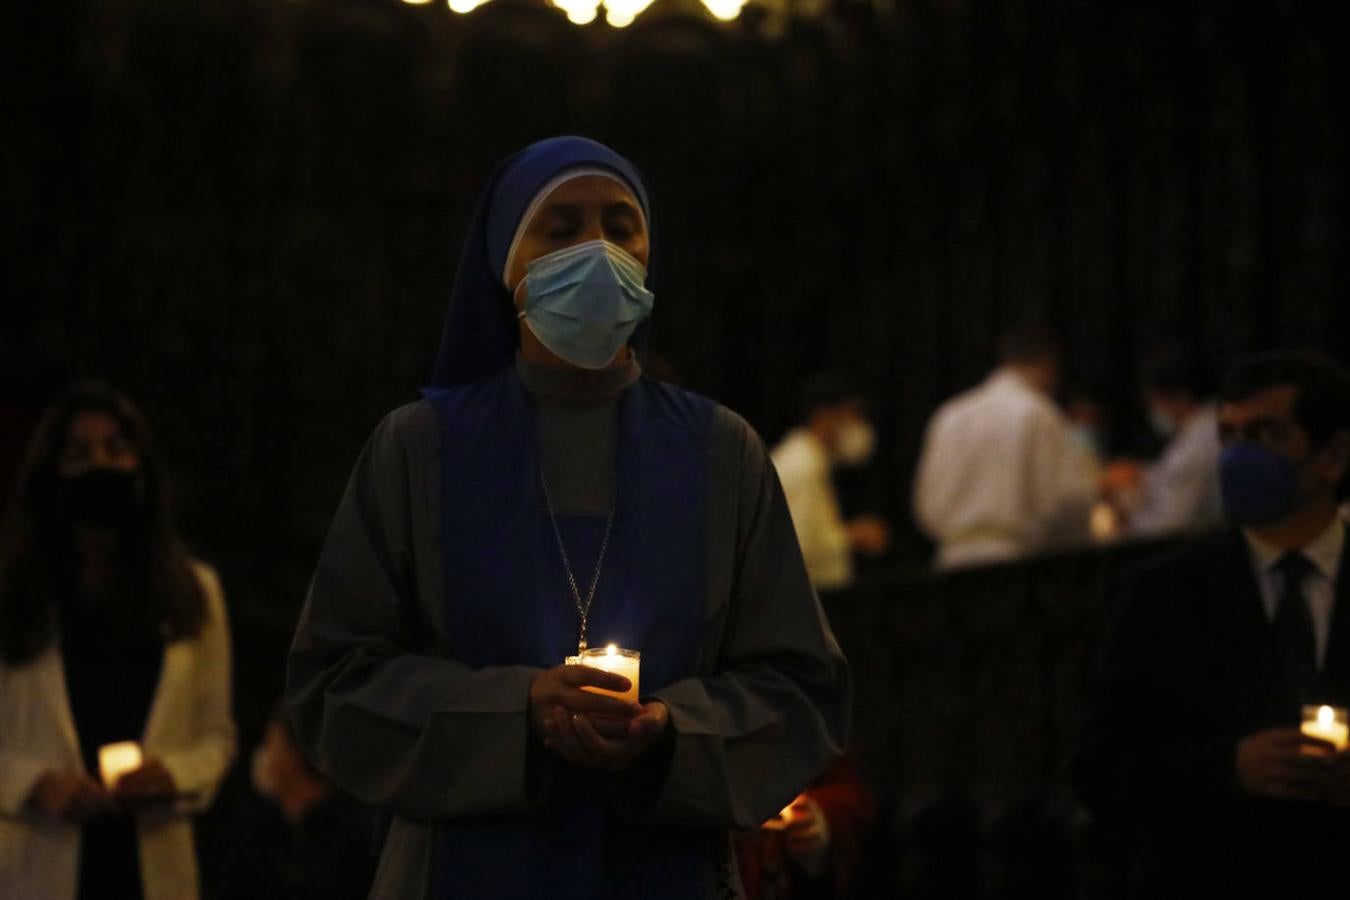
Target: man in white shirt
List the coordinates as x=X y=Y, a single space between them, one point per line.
x=834 y=432
x=1179 y=493
x=1192 y=737
x=1002 y=475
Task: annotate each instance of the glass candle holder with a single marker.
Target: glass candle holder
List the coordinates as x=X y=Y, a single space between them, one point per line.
x=616 y=659
x=1328 y=723
x=115 y=760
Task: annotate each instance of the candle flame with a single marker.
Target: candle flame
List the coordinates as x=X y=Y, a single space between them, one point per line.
x=115 y=760
x=726 y=10
x=612 y=650
x=1326 y=716
x=580 y=12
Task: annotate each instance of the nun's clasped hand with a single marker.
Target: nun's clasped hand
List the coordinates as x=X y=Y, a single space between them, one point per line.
x=609 y=745
x=592 y=730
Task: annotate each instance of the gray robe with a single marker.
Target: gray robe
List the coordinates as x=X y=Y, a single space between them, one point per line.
x=384 y=712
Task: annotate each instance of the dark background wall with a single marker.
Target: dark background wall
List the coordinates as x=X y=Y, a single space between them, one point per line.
x=248 y=214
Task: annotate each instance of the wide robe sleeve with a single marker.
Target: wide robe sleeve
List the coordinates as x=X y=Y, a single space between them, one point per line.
x=773 y=708
x=375 y=703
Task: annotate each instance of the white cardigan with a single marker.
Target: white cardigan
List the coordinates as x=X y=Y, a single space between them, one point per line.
x=189 y=728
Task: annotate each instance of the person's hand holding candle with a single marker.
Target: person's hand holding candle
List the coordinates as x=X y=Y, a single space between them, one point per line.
x=1284 y=764
x=73 y=797
x=149 y=783
x=560 y=693
x=609 y=745
x=807 y=836
x=608 y=732
x=1338 y=781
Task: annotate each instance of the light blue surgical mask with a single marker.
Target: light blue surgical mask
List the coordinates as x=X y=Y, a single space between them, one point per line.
x=583 y=302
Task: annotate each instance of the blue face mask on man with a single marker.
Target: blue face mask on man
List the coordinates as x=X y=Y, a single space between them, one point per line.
x=584 y=302
x=1259 y=486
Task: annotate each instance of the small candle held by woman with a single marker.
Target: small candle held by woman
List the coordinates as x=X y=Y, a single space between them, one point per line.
x=115 y=760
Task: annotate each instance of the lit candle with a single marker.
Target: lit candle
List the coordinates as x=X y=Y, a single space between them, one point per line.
x=1327 y=723
x=783 y=819
x=116 y=760
x=613 y=659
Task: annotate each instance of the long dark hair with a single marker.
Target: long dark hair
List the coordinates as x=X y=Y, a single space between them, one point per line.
x=155 y=581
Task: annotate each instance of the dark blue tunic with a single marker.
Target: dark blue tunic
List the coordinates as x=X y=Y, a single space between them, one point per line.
x=509 y=604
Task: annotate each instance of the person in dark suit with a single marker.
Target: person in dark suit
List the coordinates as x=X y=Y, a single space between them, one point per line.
x=1192 y=745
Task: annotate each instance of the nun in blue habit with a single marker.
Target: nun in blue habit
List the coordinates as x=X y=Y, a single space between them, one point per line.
x=542 y=495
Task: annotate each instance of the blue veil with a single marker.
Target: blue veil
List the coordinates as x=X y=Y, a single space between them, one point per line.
x=480 y=334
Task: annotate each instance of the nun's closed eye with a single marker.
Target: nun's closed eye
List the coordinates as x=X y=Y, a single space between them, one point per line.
x=622 y=221
x=559 y=221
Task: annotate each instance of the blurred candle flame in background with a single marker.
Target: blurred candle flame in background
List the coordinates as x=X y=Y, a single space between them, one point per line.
x=618 y=13
x=726 y=10
x=621 y=13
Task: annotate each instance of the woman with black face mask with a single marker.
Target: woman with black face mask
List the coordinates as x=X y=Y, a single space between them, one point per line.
x=109 y=633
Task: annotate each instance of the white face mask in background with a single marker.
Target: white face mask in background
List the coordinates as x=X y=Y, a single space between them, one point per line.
x=855 y=444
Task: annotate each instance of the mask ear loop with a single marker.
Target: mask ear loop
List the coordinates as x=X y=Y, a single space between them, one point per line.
x=515 y=295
